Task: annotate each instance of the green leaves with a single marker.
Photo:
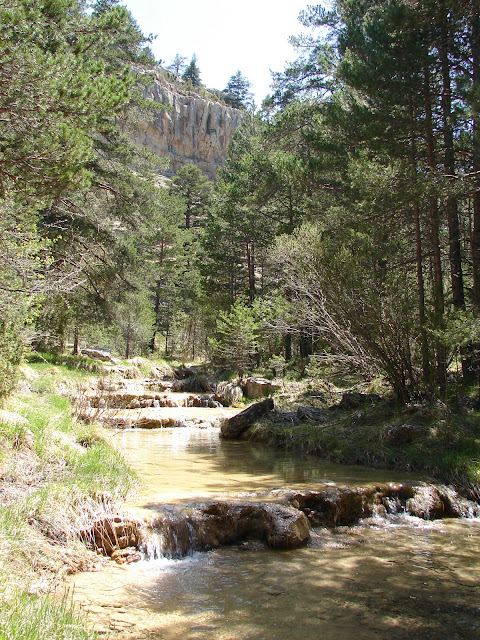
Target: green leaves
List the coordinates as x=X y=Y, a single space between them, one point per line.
x=237 y=92
x=235 y=338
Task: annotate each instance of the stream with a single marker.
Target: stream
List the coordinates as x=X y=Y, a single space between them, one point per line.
x=398 y=577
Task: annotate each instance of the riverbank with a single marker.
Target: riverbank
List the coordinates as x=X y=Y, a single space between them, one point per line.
x=360 y=429
x=58 y=475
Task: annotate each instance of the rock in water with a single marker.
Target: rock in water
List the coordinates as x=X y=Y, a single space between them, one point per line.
x=289 y=529
x=235 y=426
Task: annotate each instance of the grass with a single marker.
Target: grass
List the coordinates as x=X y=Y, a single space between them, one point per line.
x=57 y=476
x=25 y=616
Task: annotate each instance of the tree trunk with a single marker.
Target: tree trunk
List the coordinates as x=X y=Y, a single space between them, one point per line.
x=251 y=270
x=306 y=346
x=235 y=426
x=166 y=341
x=156 y=308
x=76 y=337
x=438 y=296
x=475 y=237
x=288 y=347
x=419 y=261
x=455 y=254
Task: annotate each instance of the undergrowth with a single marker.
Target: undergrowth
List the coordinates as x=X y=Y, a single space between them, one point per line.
x=57 y=476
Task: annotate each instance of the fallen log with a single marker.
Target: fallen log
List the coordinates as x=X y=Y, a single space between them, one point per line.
x=235 y=426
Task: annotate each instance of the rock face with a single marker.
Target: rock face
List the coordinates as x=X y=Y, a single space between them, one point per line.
x=193 y=130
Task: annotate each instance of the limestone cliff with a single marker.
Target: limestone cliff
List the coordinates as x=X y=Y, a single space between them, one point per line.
x=192 y=130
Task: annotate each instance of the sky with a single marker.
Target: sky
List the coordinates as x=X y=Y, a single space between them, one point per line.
x=246 y=35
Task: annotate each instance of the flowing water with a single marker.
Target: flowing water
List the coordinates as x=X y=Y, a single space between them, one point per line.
x=401 y=578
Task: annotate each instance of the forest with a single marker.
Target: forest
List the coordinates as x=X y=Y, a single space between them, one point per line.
x=342 y=233
x=334 y=263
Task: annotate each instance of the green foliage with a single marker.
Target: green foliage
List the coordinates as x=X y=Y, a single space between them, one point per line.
x=237 y=92
x=67 y=181
x=22 y=263
x=11 y=351
x=134 y=319
x=235 y=339
x=49 y=153
x=178 y=64
x=192 y=73
x=195 y=190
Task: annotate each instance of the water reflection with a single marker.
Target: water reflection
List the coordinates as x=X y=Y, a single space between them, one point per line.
x=184 y=463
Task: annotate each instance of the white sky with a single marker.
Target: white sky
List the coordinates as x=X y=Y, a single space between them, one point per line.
x=250 y=35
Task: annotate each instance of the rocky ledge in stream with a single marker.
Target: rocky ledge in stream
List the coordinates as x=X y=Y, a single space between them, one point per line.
x=336 y=507
x=209 y=526
x=281 y=523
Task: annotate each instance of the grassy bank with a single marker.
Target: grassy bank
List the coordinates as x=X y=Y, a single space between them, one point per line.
x=446 y=446
x=57 y=475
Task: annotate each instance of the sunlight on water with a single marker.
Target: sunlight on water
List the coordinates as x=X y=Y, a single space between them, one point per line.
x=179 y=464
x=399 y=577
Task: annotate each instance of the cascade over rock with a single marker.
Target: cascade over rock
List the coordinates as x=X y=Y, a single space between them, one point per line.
x=193 y=130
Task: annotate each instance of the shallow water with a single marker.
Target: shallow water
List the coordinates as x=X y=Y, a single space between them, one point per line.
x=183 y=463
x=401 y=579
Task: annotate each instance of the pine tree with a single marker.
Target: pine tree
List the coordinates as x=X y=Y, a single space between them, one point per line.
x=237 y=93
x=195 y=190
x=192 y=73
x=236 y=336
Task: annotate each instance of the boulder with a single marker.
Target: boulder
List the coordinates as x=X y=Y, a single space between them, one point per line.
x=235 y=426
x=99 y=354
x=289 y=528
x=126 y=556
x=222 y=523
x=354 y=400
x=203 y=401
x=426 y=503
x=259 y=387
x=289 y=418
x=456 y=506
x=228 y=393
x=332 y=508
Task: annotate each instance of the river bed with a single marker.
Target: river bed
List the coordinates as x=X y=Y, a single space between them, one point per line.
x=401 y=578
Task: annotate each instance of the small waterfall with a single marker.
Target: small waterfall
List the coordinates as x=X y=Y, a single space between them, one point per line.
x=393 y=505
x=168 y=537
x=183 y=531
